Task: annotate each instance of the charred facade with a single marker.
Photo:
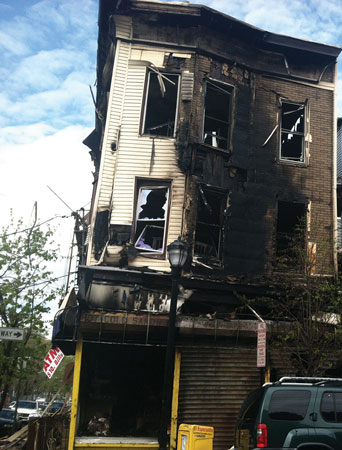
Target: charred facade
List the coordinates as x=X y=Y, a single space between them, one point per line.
x=221 y=133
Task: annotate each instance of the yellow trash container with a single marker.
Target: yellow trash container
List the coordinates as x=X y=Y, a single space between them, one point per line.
x=195 y=437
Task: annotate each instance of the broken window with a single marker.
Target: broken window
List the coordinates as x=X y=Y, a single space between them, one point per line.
x=292 y=141
x=151 y=215
x=291 y=225
x=161 y=104
x=209 y=224
x=217 y=106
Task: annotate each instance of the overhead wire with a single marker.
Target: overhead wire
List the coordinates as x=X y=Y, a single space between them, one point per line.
x=36 y=226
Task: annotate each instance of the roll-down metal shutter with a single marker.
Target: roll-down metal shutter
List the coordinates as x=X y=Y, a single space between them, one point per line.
x=213 y=385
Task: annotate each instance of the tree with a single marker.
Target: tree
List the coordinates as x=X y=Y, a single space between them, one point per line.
x=27 y=286
x=305 y=301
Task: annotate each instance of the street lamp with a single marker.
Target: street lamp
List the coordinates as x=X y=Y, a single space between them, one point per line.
x=178 y=253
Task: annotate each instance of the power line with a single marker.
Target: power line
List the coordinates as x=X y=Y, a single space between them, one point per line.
x=36 y=226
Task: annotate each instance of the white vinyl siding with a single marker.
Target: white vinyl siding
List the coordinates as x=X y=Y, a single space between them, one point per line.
x=132 y=157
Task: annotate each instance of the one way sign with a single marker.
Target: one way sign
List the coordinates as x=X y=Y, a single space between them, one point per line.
x=11 y=334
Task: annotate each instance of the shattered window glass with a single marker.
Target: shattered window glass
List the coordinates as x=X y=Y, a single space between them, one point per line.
x=151 y=215
x=217 y=115
x=292 y=132
x=209 y=224
x=161 y=104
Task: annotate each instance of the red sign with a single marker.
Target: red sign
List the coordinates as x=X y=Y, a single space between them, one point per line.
x=52 y=361
x=261 y=348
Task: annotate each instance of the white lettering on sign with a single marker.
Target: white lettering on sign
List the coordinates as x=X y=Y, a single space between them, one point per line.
x=52 y=361
x=261 y=347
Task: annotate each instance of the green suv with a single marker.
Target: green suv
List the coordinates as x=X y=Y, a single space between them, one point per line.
x=292 y=413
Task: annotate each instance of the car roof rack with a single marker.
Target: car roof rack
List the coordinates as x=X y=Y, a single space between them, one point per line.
x=310 y=380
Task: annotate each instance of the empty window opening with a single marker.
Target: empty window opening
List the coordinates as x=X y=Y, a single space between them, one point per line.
x=217 y=106
x=292 y=145
x=161 y=104
x=291 y=225
x=209 y=224
x=151 y=215
x=100 y=232
x=120 y=391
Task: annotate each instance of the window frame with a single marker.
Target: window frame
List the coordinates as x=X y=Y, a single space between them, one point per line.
x=223 y=207
x=333 y=393
x=229 y=89
x=303 y=160
x=149 y=71
x=273 y=411
x=150 y=184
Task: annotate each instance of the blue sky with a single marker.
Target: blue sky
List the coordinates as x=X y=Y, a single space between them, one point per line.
x=48 y=61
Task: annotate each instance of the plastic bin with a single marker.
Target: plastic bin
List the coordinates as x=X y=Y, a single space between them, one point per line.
x=195 y=437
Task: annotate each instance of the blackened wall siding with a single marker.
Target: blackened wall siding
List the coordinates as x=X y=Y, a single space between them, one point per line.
x=213 y=385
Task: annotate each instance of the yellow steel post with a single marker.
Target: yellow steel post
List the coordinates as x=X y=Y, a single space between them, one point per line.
x=174 y=409
x=267 y=374
x=75 y=393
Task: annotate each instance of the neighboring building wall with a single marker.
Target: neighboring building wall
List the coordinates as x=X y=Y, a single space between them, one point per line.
x=339 y=183
x=339 y=150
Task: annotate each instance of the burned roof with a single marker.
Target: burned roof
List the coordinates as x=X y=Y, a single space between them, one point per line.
x=218 y=21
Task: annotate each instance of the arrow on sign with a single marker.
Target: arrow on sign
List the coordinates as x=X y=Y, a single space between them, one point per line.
x=11 y=334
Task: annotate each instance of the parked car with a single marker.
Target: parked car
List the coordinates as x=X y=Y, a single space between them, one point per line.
x=6 y=421
x=293 y=413
x=53 y=408
x=24 y=409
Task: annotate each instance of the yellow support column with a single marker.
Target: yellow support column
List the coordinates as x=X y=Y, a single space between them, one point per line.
x=175 y=393
x=75 y=393
x=267 y=374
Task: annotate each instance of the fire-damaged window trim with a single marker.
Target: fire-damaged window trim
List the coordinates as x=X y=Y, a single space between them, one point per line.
x=304 y=135
x=164 y=79
x=226 y=89
x=203 y=192
x=142 y=184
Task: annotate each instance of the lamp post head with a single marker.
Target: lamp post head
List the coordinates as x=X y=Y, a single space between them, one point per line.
x=178 y=252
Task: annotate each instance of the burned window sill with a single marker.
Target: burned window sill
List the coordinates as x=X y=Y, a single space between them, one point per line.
x=155 y=136
x=208 y=263
x=293 y=163
x=207 y=147
x=160 y=256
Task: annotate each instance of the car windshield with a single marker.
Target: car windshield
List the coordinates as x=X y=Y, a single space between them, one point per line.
x=7 y=414
x=26 y=404
x=56 y=405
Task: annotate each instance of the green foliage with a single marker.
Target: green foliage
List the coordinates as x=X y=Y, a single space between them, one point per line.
x=305 y=300
x=27 y=286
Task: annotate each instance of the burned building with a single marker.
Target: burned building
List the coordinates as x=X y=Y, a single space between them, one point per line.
x=219 y=133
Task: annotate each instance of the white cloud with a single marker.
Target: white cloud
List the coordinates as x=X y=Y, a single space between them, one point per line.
x=46 y=69
x=47 y=64
x=18 y=135
x=58 y=159
x=34 y=157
